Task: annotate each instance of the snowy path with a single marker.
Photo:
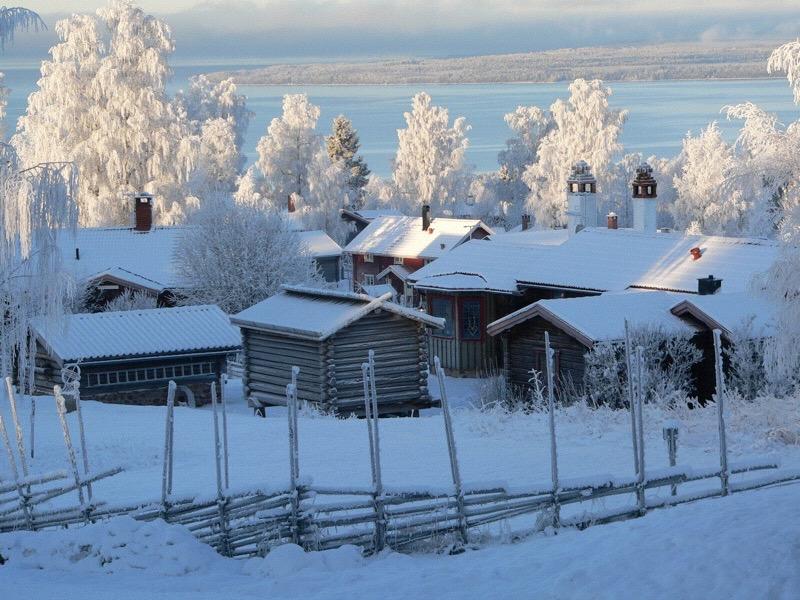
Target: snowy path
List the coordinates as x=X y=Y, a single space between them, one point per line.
x=745 y=546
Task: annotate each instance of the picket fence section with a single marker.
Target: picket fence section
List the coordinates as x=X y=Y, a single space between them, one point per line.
x=251 y=522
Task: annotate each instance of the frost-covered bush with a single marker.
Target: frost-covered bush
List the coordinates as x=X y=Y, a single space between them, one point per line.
x=666 y=374
x=236 y=255
x=496 y=393
x=131 y=301
x=747 y=373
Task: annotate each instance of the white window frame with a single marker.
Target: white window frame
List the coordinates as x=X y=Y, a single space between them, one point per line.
x=398 y=260
x=368 y=257
x=369 y=279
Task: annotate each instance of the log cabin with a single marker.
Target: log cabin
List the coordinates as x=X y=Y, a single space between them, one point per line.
x=129 y=357
x=407 y=244
x=328 y=335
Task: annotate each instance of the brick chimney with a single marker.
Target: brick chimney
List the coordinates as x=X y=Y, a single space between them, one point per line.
x=142 y=212
x=426 y=217
x=526 y=222
x=612 y=220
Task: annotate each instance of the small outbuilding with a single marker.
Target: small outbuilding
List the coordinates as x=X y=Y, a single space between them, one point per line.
x=128 y=357
x=328 y=335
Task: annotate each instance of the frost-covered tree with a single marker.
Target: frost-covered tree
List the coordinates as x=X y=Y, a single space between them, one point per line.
x=343 y=145
x=102 y=103
x=705 y=203
x=429 y=167
x=236 y=255
x=131 y=301
x=529 y=125
x=17 y=18
x=287 y=150
x=584 y=127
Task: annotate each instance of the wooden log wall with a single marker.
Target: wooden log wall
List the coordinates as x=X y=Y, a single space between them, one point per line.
x=526 y=352
x=401 y=363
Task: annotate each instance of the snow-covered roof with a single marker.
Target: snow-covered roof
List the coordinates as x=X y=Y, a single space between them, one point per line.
x=364 y=216
x=600 y=260
x=532 y=237
x=592 y=319
x=319 y=313
x=404 y=237
x=731 y=313
x=398 y=271
x=123 y=252
x=613 y=260
x=138 y=333
x=482 y=265
x=319 y=244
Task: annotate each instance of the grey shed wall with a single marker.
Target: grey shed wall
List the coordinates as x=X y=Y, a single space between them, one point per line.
x=330 y=370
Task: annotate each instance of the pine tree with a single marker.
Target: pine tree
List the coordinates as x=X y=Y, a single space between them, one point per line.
x=343 y=145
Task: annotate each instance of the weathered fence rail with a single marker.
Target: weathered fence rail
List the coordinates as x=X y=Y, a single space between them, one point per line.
x=250 y=522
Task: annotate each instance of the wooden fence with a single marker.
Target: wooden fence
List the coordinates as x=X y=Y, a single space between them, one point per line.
x=250 y=522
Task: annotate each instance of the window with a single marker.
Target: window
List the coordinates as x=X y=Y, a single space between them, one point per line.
x=369 y=279
x=398 y=260
x=575 y=187
x=470 y=319
x=649 y=189
x=587 y=187
x=368 y=257
x=443 y=308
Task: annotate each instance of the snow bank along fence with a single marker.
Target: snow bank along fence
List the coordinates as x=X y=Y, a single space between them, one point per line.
x=251 y=522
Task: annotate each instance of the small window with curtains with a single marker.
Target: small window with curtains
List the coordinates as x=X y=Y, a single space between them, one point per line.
x=470 y=319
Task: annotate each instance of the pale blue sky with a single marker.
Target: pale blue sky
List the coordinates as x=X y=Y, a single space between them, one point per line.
x=273 y=29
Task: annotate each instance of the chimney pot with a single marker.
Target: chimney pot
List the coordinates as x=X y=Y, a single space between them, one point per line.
x=613 y=220
x=696 y=253
x=143 y=212
x=426 y=217
x=707 y=286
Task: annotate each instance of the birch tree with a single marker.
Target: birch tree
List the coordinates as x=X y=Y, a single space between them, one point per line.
x=101 y=103
x=236 y=255
x=584 y=127
x=429 y=167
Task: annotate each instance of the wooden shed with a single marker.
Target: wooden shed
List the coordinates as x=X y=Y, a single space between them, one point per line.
x=575 y=325
x=129 y=357
x=328 y=334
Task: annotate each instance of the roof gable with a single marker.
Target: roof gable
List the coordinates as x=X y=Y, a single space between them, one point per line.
x=319 y=313
x=731 y=313
x=404 y=237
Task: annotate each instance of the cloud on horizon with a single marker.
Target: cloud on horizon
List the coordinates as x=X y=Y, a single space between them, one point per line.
x=274 y=29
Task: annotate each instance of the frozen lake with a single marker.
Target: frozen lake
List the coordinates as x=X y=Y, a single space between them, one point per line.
x=661 y=113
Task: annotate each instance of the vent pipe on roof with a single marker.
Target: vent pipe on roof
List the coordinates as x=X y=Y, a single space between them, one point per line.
x=645 y=199
x=426 y=217
x=706 y=286
x=142 y=212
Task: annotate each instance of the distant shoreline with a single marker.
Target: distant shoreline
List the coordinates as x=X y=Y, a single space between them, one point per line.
x=665 y=62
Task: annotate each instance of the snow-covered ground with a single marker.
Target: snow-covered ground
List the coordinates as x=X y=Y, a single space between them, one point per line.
x=743 y=546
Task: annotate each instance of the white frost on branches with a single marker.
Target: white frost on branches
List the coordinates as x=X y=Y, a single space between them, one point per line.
x=584 y=127
x=102 y=103
x=429 y=167
x=235 y=255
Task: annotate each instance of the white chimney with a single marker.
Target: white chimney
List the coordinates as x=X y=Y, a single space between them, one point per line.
x=645 y=200
x=581 y=198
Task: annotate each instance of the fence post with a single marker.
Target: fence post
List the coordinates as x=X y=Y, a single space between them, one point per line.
x=631 y=397
x=371 y=403
x=12 y=400
x=224 y=402
x=23 y=495
x=221 y=498
x=166 y=476
x=84 y=451
x=33 y=425
x=670 y=433
x=61 y=407
x=551 y=411
x=451 y=448
x=640 y=494
x=294 y=460
x=719 y=397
